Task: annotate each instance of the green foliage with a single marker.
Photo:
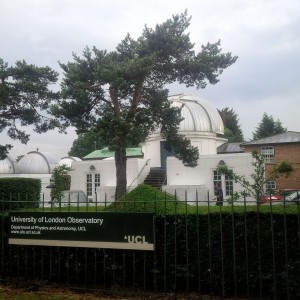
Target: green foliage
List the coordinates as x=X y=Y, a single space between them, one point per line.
x=137 y=102
x=232 y=128
x=145 y=198
x=268 y=127
x=229 y=135
x=18 y=193
x=24 y=96
x=255 y=187
x=60 y=180
x=234 y=197
x=86 y=143
x=284 y=168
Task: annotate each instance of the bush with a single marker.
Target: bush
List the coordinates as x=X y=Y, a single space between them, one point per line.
x=18 y=193
x=145 y=198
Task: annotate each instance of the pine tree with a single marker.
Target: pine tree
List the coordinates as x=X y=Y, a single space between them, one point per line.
x=233 y=130
x=121 y=93
x=268 y=127
x=24 y=99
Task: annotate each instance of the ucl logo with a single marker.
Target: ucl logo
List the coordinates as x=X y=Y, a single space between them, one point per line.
x=136 y=239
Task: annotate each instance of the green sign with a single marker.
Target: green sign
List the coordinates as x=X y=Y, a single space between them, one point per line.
x=74 y=229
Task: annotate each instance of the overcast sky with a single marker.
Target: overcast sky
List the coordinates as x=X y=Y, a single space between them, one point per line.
x=264 y=34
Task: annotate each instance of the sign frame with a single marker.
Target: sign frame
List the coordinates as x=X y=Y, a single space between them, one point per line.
x=111 y=230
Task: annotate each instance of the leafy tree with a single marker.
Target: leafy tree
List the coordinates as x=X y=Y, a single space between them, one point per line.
x=60 y=181
x=86 y=143
x=24 y=95
x=255 y=188
x=121 y=93
x=229 y=135
x=268 y=127
x=232 y=130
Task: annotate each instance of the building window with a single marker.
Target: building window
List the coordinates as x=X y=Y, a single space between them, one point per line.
x=97 y=182
x=217 y=179
x=224 y=181
x=228 y=186
x=271 y=185
x=268 y=153
x=89 y=184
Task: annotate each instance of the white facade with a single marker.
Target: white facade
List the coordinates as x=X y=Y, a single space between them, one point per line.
x=207 y=145
x=200 y=180
x=98 y=177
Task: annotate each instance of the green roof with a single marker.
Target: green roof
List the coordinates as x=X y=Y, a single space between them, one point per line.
x=105 y=153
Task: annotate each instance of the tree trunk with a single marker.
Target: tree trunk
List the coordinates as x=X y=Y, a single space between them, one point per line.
x=121 y=163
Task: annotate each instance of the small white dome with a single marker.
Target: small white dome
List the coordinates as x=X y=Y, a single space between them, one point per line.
x=35 y=162
x=68 y=160
x=199 y=115
x=7 y=166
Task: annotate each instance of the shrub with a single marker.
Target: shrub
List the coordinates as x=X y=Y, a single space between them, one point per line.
x=18 y=193
x=145 y=198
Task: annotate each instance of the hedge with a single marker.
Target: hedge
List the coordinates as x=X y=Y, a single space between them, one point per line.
x=19 y=193
x=250 y=252
x=223 y=254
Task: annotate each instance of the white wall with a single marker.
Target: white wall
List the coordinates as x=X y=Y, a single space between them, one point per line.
x=151 y=150
x=178 y=174
x=137 y=170
x=200 y=178
x=240 y=163
x=207 y=144
x=189 y=193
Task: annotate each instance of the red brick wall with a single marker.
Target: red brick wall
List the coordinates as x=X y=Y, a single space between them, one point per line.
x=284 y=152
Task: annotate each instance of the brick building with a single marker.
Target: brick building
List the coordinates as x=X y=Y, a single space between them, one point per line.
x=276 y=149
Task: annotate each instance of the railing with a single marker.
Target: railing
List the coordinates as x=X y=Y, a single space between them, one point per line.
x=144 y=166
x=244 y=251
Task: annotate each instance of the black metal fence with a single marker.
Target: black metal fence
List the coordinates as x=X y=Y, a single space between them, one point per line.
x=237 y=251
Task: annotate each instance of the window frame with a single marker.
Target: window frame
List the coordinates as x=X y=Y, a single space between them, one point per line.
x=271 y=185
x=97 y=181
x=224 y=181
x=268 y=153
x=89 y=184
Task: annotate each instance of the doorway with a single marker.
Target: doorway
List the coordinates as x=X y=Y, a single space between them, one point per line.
x=164 y=154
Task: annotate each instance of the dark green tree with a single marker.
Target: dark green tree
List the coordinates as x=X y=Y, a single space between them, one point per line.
x=86 y=143
x=24 y=98
x=268 y=127
x=122 y=93
x=232 y=127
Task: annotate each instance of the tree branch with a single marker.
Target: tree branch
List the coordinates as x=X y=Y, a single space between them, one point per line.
x=114 y=97
x=136 y=99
